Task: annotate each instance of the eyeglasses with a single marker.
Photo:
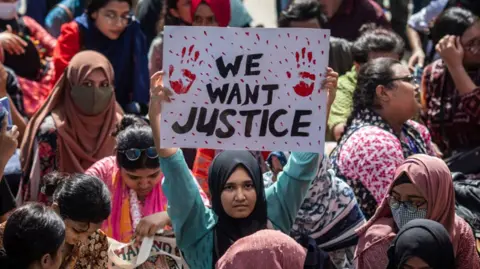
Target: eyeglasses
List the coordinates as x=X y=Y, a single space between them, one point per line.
x=409 y=79
x=412 y=207
x=134 y=154
x=113 y=19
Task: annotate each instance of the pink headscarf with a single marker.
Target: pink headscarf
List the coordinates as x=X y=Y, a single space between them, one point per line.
x=433 y=179
x=264 y=249
x=221 y=9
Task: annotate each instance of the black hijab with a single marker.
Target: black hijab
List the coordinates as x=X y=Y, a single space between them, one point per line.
x=425 y=239
x=228 y=230
x=148 y=14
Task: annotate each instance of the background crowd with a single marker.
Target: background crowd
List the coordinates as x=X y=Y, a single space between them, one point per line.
x=398 y=185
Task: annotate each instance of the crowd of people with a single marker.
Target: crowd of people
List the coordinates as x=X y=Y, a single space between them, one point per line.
x=82 y=165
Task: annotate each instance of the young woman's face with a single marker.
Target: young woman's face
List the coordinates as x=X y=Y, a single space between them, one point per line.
x=471 y=43
x=402 y=98
x=238 y=195
x=78 y=232
x=142 y=181
x=183 y=10
x=113 y=18
x=204 y=16
x=416 y=263
x=410 y=194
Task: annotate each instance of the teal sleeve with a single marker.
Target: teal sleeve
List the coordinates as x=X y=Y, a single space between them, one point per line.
x=285 y=197
x=191 y=219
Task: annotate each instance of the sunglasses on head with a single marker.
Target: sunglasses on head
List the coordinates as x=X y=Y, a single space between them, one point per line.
x=135 y=154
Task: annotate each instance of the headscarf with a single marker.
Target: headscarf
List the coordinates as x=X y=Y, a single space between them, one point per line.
x=128 y=56
x=148 y=14
x=221 y=9
x=82 y=140
x=265 y=249
x=432 y=178
x=228 y=229
x=425 y=239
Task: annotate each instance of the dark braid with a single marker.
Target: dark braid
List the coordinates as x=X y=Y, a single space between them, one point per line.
x=374 y=73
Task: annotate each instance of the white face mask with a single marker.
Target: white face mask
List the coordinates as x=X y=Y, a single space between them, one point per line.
x=8 y=11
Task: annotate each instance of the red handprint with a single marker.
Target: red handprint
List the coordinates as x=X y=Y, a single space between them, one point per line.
x=307 y=80
x=183 y=84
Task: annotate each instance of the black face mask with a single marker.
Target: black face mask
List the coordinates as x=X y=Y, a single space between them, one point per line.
x=229 y=229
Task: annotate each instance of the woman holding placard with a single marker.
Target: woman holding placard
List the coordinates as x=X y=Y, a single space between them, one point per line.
x=239 y=199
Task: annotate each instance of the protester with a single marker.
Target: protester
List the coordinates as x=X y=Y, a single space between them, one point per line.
x=33 y=237
x=240 y=17
x=177 y=14
x=62 y=13
x=421 y=243
x=308 y=14
x=450 y=89
x=379 y=133
x=134 y=178
x=372 y=44
x=83 y=202
x=278 y=251
x=150 y=14
x=23 y=40
x=346 y=17
x=422 y=189
x=239 y=200
x=109 y=28
x=72 y=130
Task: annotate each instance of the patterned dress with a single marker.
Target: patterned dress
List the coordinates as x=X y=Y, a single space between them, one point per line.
x=369 y=152
x=453 y=120
x=91 y=255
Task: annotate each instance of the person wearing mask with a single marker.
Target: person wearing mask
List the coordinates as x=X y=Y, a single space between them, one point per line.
x=422 y=189
x=346 y=17
x=64 y=12
x=279 y=251
x=421 y=243
x=23 y=40
x=372 y=44
x=134 y=178
x=308 y=14
x=33 y=237
x=109 y=28
x=451 y=87
x=72 y=130
x=177 y=14
x=379 y=133
x=239 y=199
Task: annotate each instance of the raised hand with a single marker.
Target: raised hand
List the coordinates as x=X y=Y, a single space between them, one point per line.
x=12 y=43
x=306 y=80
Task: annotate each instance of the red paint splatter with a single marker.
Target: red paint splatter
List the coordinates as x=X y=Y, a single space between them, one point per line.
x=281 y=124
x=258 y=37
x=288 y=34
x=239 y=122
x=267 y=42
x=276 y=47
x=254 y=43
x=200 y=63
x=303 y=52
x=241 y=47
x=310 y=56
x=183 y=51
x=324 y=36
x=206 y=50
x=298 y=144
x=238 y=133
x=207 y=74
x=242 y=80
x=296 y=38
x=320 y=107
x=310 y=98
x=197 y=54
x=289 y=75
x=209 y=65
x=314 y=61
x=194 y=37
x=297 y=56
x=236 y=33
x=280 y=62
x=256 y=81
x=216 y=78
x=276 y=76
x=171 y=36
x=185 y=38
x=198 y=89
x=206 y=142
x=323 y=52
x=264 y=77
x=247 y=33
x=270 y=70
x=288 y=93
x=286 y=60
x=205 y=33
x=219 y=142
x=193 y=134
x=211 y=45
x=206 y=103
x=221 y=37
x=170 y=51
x=224 y=54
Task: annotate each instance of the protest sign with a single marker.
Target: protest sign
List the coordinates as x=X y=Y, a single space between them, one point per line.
x=159 y=252
x=245 y=89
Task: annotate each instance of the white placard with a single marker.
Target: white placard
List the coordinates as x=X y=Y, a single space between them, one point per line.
x=244 y=88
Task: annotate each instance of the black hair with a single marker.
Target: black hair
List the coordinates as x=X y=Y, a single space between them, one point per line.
x=169 y=18
x=127 y=121
x=95 y=5
x=376 y=39
x=453 y=21
x=132 y=133
x=375 y=72
x=31 y=232
x=301 y=11
x=79 y=197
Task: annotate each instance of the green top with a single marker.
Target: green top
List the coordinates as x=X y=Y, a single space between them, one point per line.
x=343 y=104
x=193 y=222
